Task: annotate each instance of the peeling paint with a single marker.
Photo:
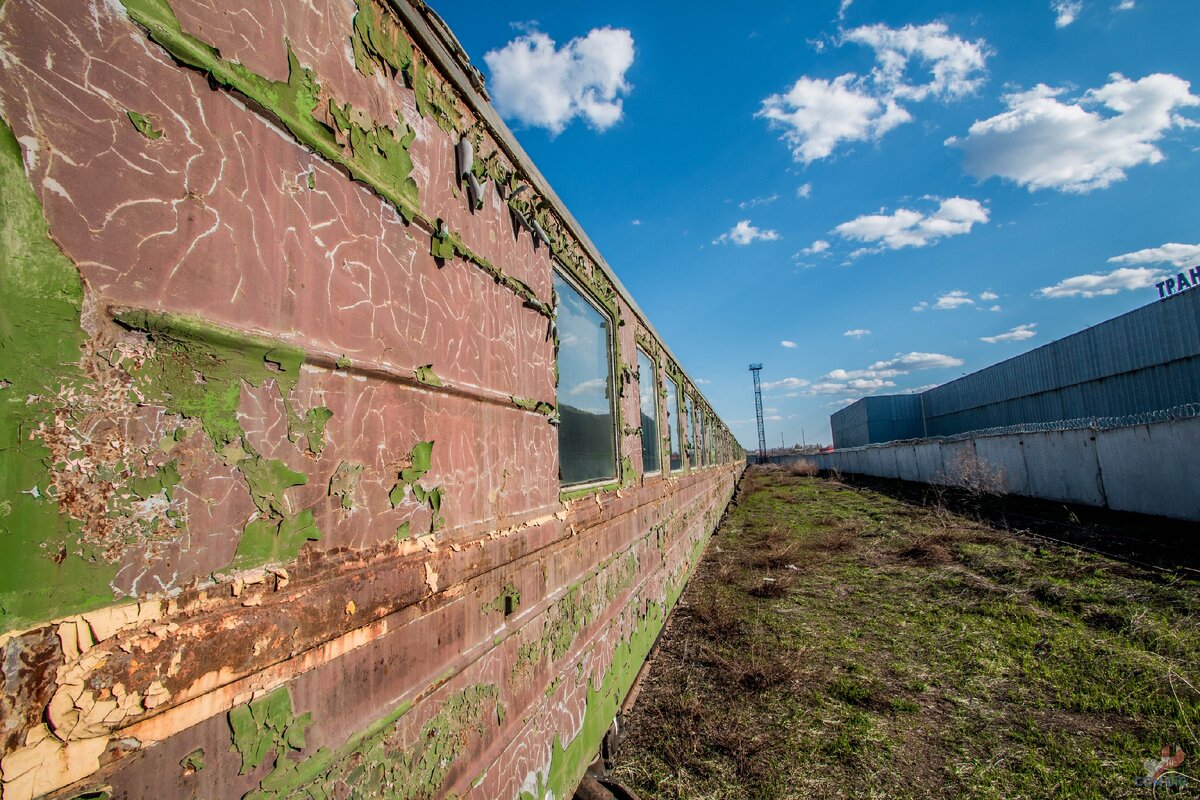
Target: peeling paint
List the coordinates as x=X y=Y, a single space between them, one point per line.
x=144 y=125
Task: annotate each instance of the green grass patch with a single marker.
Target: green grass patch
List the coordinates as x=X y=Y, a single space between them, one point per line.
x=838 y=642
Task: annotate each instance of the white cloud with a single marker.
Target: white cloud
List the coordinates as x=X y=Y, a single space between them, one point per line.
x=868 y=384
x=955 y=66
x=858 y=382
x=1065 y=11
x=789 y=344
x=819 y=246
x=636 y=222
x=817 y=114
x=952 y=300
x=1041 y=142
x=1097 y=284
x=911 y=361
x=785 y=383
x=744 y=233
x=843 y=7
x=907 y=228
x=804 y=190
x=957 y=299
x=857 y=333
x=587 y=387
x=1017 y=334
x=544 y=86
x=1125 y=5
x=758 y=201
x=851 y=374
x=855 y=386
x=1172 y=253
x=703 y=381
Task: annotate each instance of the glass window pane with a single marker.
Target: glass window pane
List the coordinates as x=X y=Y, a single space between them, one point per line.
x=673 y=423
x=586 y=440
x=648 y=398
x=694 y=454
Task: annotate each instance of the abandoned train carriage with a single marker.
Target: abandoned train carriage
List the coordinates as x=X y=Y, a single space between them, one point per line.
x=333 y=459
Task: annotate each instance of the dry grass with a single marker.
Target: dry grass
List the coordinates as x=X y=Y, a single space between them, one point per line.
x=839 y=643
x=804 y=469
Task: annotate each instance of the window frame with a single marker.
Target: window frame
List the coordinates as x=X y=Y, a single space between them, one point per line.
x=658 y=448
x=676 y=425
x=693 y=456
x=568 y=490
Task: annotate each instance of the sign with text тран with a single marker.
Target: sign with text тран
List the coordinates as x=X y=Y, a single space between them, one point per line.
x=1179 y=283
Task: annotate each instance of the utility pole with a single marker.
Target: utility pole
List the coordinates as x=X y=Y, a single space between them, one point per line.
x=758 y=413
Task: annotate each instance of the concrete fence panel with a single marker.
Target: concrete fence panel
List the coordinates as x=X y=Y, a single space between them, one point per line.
x=929 y=461
x=1005 y=455
x=1152 y=469
x=1062 y=465
x=906 y=463
x=1149 y=469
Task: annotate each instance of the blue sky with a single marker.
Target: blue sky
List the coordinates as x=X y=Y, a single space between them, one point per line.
x=938 y=174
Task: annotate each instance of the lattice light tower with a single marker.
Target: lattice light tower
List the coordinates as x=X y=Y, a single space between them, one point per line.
x=762 y=433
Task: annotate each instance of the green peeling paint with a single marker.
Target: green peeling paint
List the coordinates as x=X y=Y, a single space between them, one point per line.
x=376 y=761
x=268 y=480
x=198 y=368
x=40 y=339
x=443 y=244
x=378 y=40
x=420 y=460
x=268 y=726
x=568 y=764
x=380 y=152
x=311 y=429
x=533 y=404
x=427 y=376
x=344 y=483
x=193 y=761
x=275 y=540
x=144 y=125
x=507 y=602
x=375 y=155
x=628 y=473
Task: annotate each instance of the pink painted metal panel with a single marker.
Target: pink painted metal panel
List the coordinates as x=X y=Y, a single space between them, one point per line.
x=397 y=627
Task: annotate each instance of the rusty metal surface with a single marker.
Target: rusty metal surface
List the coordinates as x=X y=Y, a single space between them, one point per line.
x=303 y=528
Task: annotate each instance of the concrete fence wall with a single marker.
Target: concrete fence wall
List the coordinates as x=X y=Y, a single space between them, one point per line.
x=1150 y=469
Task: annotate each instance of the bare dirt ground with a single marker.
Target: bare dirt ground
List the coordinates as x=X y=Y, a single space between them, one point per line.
x=840 y=642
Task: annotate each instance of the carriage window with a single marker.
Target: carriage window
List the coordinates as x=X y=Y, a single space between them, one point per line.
x=690 y=422
x=586 y=439
x=648 y=398
x=674 y=421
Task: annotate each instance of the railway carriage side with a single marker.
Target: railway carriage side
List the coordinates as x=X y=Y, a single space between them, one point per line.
x=334 y=460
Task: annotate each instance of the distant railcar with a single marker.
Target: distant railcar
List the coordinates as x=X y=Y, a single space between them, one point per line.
x=334 y=461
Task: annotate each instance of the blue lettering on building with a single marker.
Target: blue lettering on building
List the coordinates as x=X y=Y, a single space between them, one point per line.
x=1182 y=281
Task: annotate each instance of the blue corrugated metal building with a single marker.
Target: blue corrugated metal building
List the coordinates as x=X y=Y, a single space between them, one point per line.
x=1145 y=360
